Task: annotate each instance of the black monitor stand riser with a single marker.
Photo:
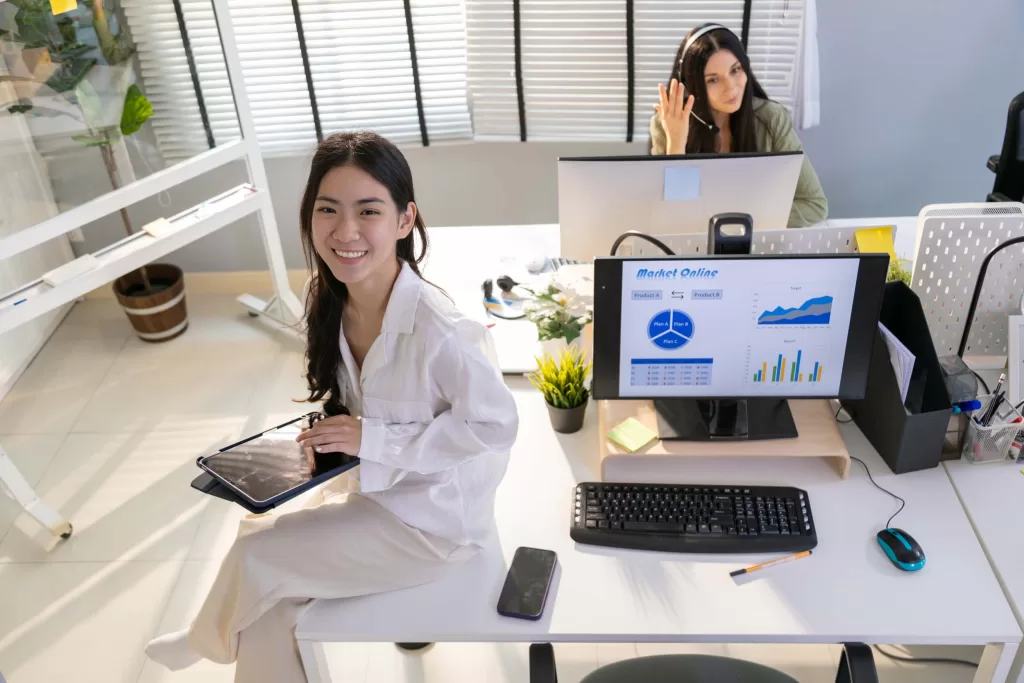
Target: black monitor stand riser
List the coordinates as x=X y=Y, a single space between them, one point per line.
x=688 y=419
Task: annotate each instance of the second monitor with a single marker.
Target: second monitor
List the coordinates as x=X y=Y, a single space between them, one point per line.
x=599 y=198
x=719 y=343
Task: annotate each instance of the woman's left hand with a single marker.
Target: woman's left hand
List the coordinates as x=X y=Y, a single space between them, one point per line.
x=338 y=434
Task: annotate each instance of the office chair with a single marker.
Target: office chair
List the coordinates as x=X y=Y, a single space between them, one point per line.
x=856 y=666
x=1009 y=164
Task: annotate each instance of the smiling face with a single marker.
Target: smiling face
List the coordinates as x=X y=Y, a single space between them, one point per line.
x=356 y=225
x=725 y=81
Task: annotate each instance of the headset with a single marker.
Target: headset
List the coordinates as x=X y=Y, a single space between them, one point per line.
x=686 y=48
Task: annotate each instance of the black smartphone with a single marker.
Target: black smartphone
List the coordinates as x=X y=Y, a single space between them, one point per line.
x=527 y=584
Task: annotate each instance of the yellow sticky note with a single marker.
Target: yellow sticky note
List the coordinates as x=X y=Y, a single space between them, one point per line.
x=876 y=241
x=62 y=6
x=632 y=435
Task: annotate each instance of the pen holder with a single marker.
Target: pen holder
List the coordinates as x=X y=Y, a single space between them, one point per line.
x=992 y=443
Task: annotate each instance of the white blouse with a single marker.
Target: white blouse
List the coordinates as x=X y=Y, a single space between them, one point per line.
x=438 y=421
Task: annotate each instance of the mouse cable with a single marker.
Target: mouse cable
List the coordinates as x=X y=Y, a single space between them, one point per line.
x=925 y=660
x=843 y=422
x=903 y=503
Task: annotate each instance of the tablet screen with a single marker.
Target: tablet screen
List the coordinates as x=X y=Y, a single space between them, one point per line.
x=273 y=463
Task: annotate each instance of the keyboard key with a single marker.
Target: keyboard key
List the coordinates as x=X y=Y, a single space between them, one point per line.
x=703 y=529
x=591 y=523
x=652 y=527
x=603 y=524
x=716 y=529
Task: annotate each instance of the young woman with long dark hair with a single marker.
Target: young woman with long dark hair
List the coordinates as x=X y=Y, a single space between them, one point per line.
x=713 y=103
x=431 y=421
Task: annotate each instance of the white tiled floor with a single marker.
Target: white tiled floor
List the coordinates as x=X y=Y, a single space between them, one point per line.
x=108 y=428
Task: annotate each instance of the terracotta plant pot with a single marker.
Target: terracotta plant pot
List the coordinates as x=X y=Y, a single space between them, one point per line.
x=567 y=420
x=161 y=315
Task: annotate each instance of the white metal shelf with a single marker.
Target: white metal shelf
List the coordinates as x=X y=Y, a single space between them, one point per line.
x=121 y=198
x=37 y=298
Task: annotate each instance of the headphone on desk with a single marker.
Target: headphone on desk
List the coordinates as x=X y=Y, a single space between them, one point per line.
x=682 y=55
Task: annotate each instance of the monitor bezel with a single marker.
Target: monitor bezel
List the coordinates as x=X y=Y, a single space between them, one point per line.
x=867 y=304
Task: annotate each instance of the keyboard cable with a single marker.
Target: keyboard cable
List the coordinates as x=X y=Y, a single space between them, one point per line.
x=863 y=464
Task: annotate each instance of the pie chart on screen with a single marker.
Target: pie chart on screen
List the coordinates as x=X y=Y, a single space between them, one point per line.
x=670 y=329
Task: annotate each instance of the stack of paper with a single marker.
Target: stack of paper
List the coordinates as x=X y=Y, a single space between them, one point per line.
x=902 y=360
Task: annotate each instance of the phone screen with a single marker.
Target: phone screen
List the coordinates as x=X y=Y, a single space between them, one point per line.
x=526 y=586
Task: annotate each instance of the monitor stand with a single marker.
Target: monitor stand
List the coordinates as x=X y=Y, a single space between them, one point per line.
x=724 y=419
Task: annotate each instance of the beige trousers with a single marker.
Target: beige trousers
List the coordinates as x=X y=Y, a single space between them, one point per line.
x=346 y=546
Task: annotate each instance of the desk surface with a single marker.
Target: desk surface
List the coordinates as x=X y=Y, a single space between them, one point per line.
x=992 y=495
x=847 y=590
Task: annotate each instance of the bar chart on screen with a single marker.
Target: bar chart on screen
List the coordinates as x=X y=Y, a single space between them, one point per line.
x=793 y=365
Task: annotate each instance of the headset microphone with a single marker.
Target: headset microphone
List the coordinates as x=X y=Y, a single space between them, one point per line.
x=710 y=126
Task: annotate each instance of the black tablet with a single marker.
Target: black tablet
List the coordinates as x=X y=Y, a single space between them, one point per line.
x=271 y=467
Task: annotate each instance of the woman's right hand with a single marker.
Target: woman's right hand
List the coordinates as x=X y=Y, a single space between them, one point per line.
x=674 y=114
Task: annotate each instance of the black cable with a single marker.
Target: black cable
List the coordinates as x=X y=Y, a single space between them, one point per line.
x=308 y=70
x=903 y=503
x=843 y=422
x=745 y=32
x=194 y=73
x=424 y=138
x=983 y=383
x=517 y=33
x=633 y=233
x=926 y=660
x=630 y=71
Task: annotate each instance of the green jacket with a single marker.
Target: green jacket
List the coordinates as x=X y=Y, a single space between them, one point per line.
x=773 y=129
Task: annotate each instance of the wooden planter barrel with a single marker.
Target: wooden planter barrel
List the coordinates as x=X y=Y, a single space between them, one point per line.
x=159 y=317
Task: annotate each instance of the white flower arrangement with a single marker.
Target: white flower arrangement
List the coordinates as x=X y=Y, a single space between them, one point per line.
x=561 y=309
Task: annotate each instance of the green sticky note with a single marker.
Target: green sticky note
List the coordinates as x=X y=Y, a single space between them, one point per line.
x=632 y=435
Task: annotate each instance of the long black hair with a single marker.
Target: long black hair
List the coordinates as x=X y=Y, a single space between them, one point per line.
x=327 y=295
x=688 y=69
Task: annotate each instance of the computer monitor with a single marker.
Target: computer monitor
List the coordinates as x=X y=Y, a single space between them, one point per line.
x=720 y=342
x=599 y=198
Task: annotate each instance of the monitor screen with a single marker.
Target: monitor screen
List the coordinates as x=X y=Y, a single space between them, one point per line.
x=735 y=326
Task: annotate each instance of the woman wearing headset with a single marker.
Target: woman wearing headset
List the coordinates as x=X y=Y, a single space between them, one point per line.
x=724 y=109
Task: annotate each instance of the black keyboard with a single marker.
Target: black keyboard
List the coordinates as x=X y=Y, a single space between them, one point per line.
x=693 y=519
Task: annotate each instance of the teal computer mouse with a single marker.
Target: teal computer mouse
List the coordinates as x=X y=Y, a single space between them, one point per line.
x=901 y=549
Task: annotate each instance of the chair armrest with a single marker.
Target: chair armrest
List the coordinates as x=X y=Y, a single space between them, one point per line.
x=857 y=664
x=542 y=663
x=993 y=163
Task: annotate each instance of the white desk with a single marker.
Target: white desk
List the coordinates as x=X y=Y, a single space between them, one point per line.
x=992 y=495
x=461 y=258
x=847 y=591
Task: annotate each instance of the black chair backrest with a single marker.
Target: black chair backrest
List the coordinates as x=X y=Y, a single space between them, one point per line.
x=1010 y=169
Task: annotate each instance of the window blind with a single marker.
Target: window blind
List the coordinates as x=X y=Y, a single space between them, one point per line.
x=359 y=58
x=573 y=55
x=574 y=60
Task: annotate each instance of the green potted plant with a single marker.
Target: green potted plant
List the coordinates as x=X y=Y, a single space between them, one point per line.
x=898 y=273
x=563 y=382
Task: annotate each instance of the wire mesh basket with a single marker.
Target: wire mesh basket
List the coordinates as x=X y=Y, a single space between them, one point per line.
x=992 y=443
